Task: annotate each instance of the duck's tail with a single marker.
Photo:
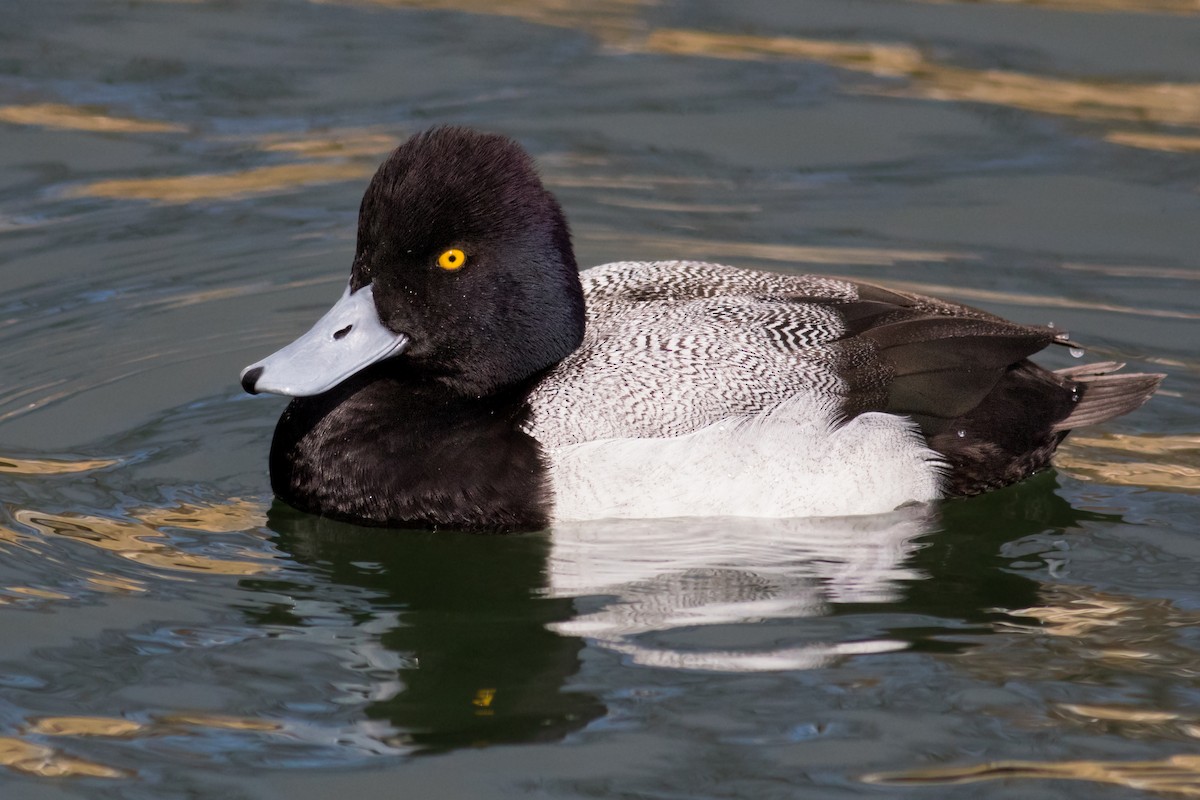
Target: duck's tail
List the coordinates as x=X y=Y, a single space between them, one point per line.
x=1101 y=395
x=1015 y=430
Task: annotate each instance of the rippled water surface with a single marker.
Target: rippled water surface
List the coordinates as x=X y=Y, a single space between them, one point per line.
x=178 y=188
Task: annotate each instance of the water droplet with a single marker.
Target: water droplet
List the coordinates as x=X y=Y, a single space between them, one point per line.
x=1049 y=324
x=1074 y=394
x=1076 y=352
x=961 y=434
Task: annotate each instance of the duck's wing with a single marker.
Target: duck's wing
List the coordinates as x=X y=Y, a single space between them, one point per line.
x=964 y=376
x=938 y=359
x=674 y=346
x=944 y=360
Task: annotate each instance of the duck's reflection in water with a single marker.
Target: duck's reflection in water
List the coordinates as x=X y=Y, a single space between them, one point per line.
x=663 y=575
x=657 y=586
x=478 y=661
x=483 y=634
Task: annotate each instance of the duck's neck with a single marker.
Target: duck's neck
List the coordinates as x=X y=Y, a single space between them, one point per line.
x=406 y=452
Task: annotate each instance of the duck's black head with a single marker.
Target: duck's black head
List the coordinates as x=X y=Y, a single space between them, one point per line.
x=470 y=257
x=468 y=261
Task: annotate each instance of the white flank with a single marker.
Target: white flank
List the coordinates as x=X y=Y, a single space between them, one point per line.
x=794 y=461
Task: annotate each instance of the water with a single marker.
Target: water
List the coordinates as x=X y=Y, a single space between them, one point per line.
x=178 y=188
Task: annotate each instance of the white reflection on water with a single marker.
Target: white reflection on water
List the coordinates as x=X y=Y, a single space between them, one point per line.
x=663 y=575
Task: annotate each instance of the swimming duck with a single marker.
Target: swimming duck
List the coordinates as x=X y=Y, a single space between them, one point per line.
x=471 y=377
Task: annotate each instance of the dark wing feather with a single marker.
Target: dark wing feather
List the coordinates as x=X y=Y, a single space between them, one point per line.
x=926 y=358
x=942 y=367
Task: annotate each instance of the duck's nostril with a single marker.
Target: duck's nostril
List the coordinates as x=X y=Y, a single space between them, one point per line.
x=342 y=333
x=250 y=378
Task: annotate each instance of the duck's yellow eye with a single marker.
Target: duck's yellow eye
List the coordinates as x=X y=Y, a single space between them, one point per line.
x=452 y=259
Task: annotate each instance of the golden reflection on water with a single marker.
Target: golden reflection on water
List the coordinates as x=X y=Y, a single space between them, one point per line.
x=1168 y=143
x=49 y=466
x=228 y=517
x=67 y=117
x=1119 y=713
x=1136 y=473
x=36 y=593
x=225 y=185
x=100 y=582
x=1177 y=775
x=328 y=157
x=218 y=722
x=46 y=762
x=1173 y=463
x=890 y=60
x=119 y=727
x=1078 y=616
x=85 y=726
x=142 y=541
x=11 y=536
x=1131 y=722
x=1078 y=626
x=1164 y=103
x=342 y=143
x=1146 y=444
x=41 y=760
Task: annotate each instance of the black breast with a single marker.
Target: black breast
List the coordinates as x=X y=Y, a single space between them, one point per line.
x=401 y=451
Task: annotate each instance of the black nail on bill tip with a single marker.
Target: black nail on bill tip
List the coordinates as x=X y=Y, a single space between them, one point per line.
x=251 y=378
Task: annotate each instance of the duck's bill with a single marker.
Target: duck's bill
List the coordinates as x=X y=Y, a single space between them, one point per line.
x=348 y=338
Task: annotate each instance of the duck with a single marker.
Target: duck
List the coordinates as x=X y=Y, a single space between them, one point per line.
x=471 y=377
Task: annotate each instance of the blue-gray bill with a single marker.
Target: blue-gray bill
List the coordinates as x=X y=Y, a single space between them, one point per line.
x=348 y=338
